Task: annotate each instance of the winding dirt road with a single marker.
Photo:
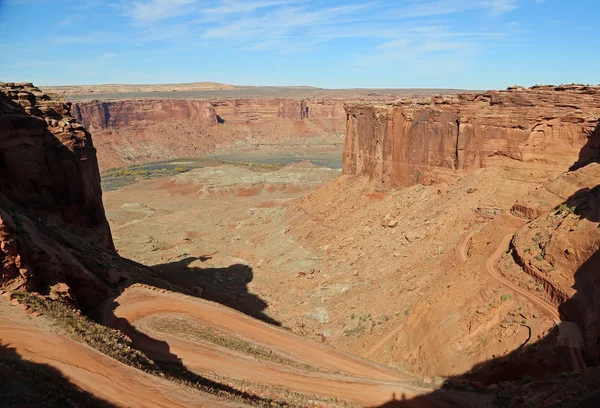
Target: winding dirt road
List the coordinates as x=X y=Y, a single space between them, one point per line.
x=462 y=252
x=355 y=379
x=96 y=373
x=547 y=307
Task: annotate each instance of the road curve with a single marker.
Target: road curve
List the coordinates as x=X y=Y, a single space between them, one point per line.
x=548 y=308
x=490 y=269
x=357 y=380
x=96 y=373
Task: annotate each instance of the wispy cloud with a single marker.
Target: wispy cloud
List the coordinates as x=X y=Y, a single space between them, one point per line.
x=300 y=25
x=156 y=10
x=499 y=7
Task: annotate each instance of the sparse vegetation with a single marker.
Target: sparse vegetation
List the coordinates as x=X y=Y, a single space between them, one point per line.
x=82 y=329
x=355 y=331
x=195 y=331
x=506 y=297
x=114 y=344
x=561 y=209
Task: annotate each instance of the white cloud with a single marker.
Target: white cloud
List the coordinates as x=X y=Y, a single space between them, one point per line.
x=155 y=10
x=499 y=7
x=422 y=27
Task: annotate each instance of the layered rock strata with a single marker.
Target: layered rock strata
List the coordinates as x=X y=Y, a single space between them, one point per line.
x=137 y=131
x=419 y=141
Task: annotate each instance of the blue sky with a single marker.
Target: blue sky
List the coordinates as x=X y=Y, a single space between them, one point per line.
x=476 y=44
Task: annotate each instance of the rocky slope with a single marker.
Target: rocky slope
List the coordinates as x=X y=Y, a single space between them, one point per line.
x=136 y=131
x=421 y=141
x=560 y=249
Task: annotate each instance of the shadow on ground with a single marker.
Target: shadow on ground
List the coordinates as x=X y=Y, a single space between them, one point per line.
x=27 y=384
x=227 y=286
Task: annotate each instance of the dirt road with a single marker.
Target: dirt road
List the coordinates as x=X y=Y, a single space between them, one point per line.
x=462 y=251
x=96 y=373
x=356 y=380
x=548 y=308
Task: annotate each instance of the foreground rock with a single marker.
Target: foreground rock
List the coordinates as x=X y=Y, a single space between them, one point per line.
x=50 y=198
x=54 y=236
x=49 y=164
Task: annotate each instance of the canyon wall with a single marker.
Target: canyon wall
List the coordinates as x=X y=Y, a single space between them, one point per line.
x=137 y=131
x=50 y=198
x=421 y=141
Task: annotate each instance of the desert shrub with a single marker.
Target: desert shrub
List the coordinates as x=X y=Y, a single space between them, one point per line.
x=562 y=208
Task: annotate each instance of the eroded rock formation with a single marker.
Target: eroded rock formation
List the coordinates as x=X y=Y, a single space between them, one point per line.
x=421 y=141
x=49 y=163
x=50 y=198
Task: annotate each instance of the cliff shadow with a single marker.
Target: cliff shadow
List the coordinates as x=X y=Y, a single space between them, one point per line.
x=27 y=384
x=227 y=286
x=561 y=369
x=590 y=152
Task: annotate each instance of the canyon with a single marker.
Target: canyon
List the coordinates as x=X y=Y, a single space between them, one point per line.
x=442 y=265
x=139 y=131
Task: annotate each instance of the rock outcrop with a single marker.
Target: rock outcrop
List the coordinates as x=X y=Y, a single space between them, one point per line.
x=49 y=163
x=50 y=199
x=560 y=248
x=137 y=131
x=421 y=141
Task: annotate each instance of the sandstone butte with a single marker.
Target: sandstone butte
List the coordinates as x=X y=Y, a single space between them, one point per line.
x=424 y=141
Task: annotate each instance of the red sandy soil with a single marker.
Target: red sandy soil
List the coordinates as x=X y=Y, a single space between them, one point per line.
x=359 y=380
x=91 y=370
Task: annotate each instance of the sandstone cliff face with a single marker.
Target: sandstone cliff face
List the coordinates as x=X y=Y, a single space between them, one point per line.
x=105 y=115
x=50 y=197
x=136 y=131
x=49 y=163
x=420 y=141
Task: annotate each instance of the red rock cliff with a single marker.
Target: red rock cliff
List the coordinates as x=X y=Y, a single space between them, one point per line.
x=134 y=131
x=98 y=115
x=419 y=141
x=50 y=197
